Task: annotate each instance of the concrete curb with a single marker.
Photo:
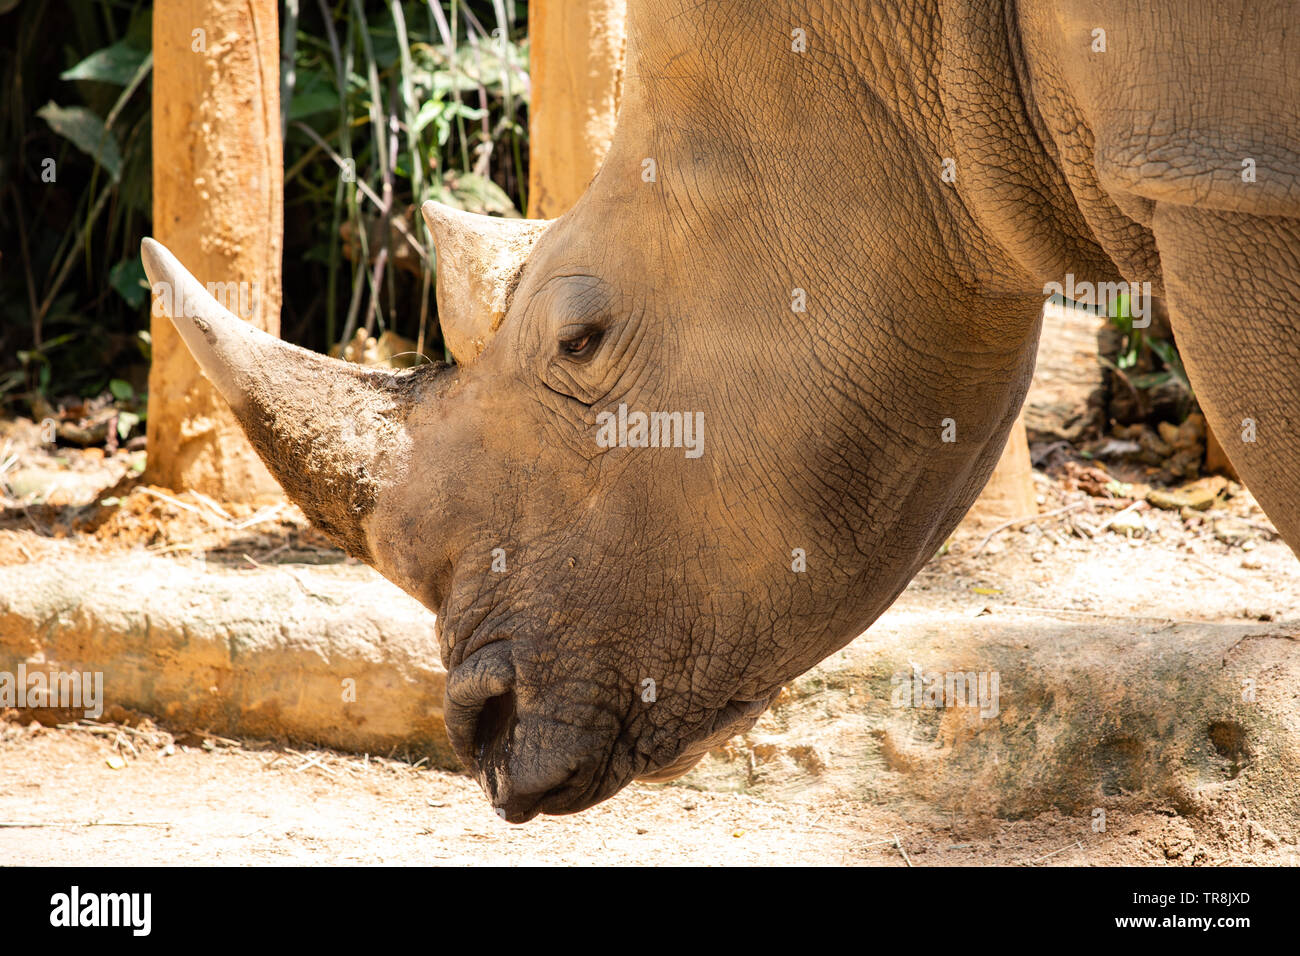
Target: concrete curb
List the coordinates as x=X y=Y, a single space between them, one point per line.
x=268 y=652
x=1092 y=715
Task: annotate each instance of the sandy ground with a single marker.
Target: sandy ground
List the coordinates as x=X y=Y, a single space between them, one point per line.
x=62 y=803
x=74 y=796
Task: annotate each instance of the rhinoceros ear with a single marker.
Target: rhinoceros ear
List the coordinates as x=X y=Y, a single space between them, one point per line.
x=479 y=258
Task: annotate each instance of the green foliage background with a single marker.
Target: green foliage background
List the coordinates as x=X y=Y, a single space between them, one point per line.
x=386 y=103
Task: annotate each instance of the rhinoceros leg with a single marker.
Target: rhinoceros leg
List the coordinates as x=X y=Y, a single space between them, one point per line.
x=1233 y=284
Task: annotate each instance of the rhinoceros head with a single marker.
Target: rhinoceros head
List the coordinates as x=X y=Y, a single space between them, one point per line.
x=693 y=441
x=597 y=500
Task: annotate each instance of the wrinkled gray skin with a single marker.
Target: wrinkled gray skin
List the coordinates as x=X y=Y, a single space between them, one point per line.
x=779 y=170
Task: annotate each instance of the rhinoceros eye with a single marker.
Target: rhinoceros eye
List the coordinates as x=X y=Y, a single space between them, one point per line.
x=580 y=344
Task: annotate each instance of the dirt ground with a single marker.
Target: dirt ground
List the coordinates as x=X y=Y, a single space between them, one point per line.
x=146 y=795
x=61 y=801
x=133 y=792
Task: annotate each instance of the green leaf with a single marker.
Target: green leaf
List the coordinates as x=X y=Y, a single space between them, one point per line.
x=59 y=340
x=312 y=93
x=429 y=111
x=475 y=193
x=121 y=390
x=114 y=64
x=1122 y=308
x=309 y=104
x=128 y=278
x=1169 y=355
x=444 y=83
x=1166 y=352
x=469 y=112
x=10 y=381
x=1150 y=380
x=86 y=131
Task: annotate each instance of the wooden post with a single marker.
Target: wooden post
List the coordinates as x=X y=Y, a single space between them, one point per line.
x=577 y=49
x=218 y=205
x=1009 y=493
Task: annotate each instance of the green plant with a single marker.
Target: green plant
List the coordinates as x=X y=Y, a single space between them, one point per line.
x=1146 y=361
x=417 y=99
x=74 y=191
x=388 y=105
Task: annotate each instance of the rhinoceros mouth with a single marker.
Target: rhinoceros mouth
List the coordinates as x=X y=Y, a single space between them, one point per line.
x=568 y=797
x=490 y=733
x=496 y=737
x=583 y=788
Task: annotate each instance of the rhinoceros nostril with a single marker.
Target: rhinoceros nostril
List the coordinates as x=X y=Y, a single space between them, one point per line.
x=480 y=705
x=492 y=730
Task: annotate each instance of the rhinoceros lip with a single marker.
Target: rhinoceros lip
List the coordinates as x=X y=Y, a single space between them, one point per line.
x=482 y=680
x=672 y=771
x=728 y=721
x=566 y=798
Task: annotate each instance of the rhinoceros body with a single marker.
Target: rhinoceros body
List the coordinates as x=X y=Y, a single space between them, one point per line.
x=823 y=234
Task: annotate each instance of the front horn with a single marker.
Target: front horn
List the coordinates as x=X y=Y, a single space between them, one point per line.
x=324 y=427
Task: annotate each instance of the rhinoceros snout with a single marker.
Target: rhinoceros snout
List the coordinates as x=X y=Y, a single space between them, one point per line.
x=521 y=775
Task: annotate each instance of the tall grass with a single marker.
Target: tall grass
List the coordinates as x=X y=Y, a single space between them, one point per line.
x=394 y=103
x=74 y=192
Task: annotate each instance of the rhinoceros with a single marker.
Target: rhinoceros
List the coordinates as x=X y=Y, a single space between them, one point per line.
x=821 y=241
